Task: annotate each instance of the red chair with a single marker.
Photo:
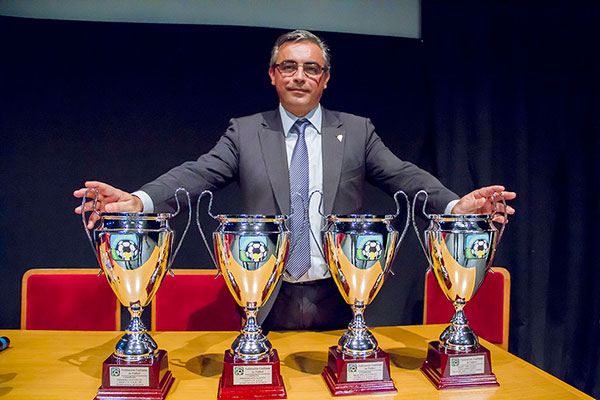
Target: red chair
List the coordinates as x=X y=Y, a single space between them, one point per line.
x=488 y=311
x=68 y=299
x=193 y=300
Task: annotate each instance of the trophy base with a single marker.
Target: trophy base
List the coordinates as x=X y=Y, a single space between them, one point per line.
x=346 y=375
x=143 y=380
x=258 y=379
x=449 y=369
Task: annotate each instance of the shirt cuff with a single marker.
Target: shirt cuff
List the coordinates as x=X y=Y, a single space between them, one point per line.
x=449 y=207
x=146 y=201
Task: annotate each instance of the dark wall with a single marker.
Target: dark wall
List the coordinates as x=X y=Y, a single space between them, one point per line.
x=516 y=99
x=123 y=103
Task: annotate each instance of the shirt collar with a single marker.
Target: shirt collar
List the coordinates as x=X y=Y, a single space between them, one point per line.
x=315 y=116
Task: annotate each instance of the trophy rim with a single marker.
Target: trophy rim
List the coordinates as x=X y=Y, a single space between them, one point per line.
x=360 y=217
x=136 y=215
x=250 y=217
x=457 y=217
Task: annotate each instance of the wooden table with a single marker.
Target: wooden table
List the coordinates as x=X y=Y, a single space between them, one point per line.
x=67 y=365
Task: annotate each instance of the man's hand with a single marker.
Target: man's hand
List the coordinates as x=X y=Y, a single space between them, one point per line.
x=110 y=199
x=480 y=202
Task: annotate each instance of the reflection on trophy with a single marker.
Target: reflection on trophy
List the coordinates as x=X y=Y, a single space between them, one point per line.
x=134 y=251
x=460 y=249
x=251 y=251
x=359 y=250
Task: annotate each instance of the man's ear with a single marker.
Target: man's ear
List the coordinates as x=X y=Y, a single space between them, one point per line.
x=326 y=77
x=272 y=75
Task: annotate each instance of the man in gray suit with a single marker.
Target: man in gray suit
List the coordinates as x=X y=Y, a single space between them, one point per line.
x=333 y=152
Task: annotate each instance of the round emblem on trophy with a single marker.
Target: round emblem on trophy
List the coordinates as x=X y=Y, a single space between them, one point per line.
x=256 y=251
x=126 y=250
x=371 y=250
x=479 y=248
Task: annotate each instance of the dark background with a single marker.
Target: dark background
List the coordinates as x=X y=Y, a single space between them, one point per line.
x=494 y=93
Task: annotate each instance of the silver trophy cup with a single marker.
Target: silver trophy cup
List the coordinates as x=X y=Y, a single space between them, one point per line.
x=134 y=251
x=359 y=250
x=250 y=251
x=460 y=250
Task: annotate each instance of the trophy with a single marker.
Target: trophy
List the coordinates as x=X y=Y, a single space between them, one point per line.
x=134 y=251
x=460 y=249
x=250 y=251
x=359 y=250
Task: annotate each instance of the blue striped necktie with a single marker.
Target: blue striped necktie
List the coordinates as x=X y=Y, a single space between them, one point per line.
x=299 y=259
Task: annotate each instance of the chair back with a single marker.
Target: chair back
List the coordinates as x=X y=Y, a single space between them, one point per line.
x=194 y=300
x=488 y=311
x=68 y=299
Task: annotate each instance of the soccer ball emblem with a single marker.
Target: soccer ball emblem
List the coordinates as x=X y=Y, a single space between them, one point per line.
x=256 y=251
x=371 y=250
x=126 y=250
x=479 y=248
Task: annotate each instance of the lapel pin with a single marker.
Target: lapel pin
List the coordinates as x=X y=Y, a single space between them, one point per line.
x=340 y=137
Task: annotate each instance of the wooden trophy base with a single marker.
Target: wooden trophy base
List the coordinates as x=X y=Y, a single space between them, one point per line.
x=259 y=379
x=131 y=380
x=346 y=376
x=449 y=369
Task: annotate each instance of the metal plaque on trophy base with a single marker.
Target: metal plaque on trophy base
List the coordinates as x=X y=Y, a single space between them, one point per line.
x=147 y=379
x=359 y=250
x=135 y=252
x=258 y=379
x=450 y=369
x=345 y=376
x=460 y=250
x=250 y=251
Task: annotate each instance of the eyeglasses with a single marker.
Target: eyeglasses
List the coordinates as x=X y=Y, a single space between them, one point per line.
x=288 y=68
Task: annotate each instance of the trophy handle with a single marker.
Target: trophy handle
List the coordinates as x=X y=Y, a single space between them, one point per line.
x=85 y=222
x=174 y=254
x=503 y=213
x=312 y=233
x=398 y=213
x=306 y=220
x=415 y=223
x=210 y=252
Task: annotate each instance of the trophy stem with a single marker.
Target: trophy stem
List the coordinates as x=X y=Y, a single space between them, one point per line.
x=358 y=341
x=251 y=344
x=458 y=335
x=136 y=344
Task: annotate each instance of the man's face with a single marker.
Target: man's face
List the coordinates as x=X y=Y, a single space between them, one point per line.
x=299 y=93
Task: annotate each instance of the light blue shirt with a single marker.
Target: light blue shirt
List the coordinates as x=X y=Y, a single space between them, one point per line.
x=312 y=134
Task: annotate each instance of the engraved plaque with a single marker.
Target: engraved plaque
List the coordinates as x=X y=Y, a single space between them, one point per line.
x=467 y=365
x=252 y=375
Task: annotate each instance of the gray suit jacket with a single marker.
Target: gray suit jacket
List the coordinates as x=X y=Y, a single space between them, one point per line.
x=252 y=152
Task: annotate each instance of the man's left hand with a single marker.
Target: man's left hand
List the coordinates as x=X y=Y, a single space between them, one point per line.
x=480 y=201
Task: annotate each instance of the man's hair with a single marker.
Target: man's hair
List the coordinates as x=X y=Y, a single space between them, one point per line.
x=301 y=36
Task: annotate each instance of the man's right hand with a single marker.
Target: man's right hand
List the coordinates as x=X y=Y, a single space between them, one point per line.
x=110 y=199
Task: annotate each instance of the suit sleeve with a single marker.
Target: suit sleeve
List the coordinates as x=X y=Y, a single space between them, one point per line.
x=388 y=172
x=210 y=171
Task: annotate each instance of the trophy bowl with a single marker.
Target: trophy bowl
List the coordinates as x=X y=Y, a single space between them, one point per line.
x=460 y=250
x=134 y=251
x=359 y=250
x=250 y=251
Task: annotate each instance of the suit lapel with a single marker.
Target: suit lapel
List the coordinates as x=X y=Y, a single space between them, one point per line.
x=332 y=143
x=272 y=143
